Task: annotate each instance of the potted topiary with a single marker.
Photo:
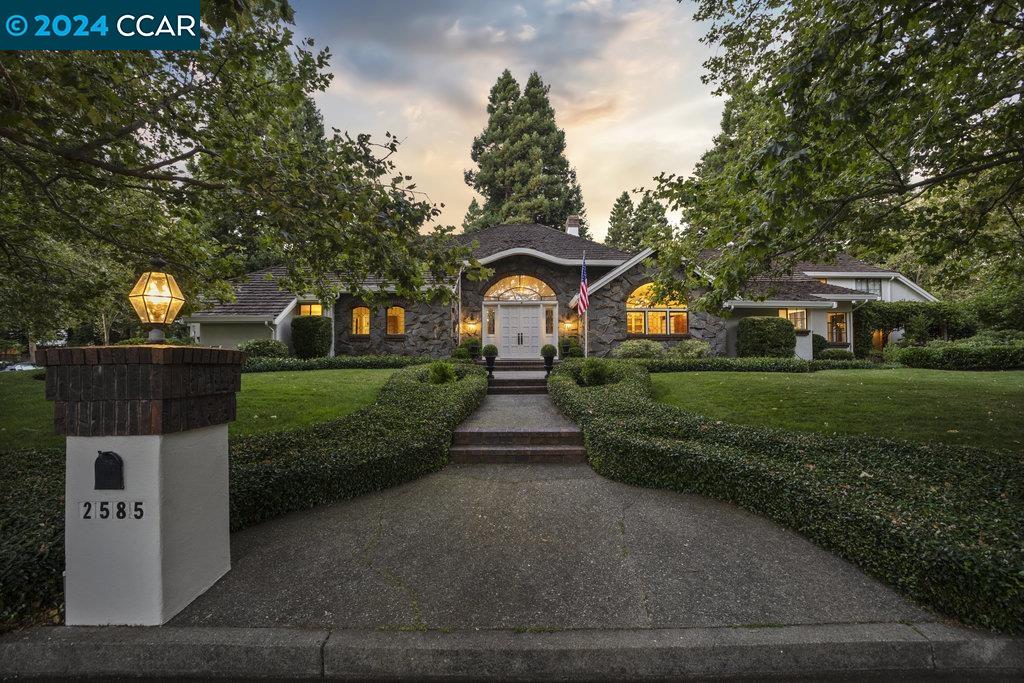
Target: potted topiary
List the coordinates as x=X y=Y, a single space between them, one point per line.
x=490 y=353
x=548 y=352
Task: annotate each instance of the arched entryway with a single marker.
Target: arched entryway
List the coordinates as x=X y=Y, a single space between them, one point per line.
x=520 y=315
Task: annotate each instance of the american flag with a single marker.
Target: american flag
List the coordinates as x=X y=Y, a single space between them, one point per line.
x=584 y=301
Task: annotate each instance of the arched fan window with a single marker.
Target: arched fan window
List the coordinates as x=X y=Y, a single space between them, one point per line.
x=645 y=316
x=519 y=288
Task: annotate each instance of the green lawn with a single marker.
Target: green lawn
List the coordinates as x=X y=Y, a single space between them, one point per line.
x=268 y=401
x=964 y=408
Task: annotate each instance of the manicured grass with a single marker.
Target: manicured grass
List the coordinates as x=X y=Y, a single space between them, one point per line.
x=963 y=408
x=268 y=401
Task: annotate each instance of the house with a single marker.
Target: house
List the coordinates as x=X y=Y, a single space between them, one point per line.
x=530 y=300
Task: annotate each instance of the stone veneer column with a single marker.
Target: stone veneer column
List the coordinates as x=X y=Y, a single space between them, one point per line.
x=146 y=494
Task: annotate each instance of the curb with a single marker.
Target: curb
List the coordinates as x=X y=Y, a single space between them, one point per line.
x=835 y=651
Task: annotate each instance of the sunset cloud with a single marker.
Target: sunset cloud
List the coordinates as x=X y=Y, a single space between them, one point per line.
x=624 y=77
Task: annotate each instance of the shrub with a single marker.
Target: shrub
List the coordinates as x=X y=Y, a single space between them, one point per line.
x=440 y=372
x=472 y=346
x=405 y=433
x=264 y=348
x=332 y=363
x=836 y=354
x=768 y=336
x=11 y=346
x=593 y=372
x=311 y=336
x=638 y=348
x=490 y=351
x=720 y=364
x=818 y=344
x=570 y=347
x=939 y=523
x=548 y=351
x=461 y=353
x=923 y=320
x=690 y=348
x=966 y=354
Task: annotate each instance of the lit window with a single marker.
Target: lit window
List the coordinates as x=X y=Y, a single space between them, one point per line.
x=873 y=285
x=549 y=321
x=519 y=288
x=797 y=316
x=361 y=320
x=311 y=309
x=837 y=328
x=396 y=320
x=645 y=315
x=490 y=321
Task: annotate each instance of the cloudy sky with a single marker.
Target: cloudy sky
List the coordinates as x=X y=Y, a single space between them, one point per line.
x=624 y=78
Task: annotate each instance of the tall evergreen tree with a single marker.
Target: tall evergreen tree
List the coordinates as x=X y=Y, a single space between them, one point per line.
x=476 y=218
x=650 y=225
x=522 y=172
x=620 y=224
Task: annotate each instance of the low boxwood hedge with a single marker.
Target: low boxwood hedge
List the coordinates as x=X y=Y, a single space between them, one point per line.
x=403 y=434
x=722 y=364
x=960 y=355
x=332 y=363
x=942 y=524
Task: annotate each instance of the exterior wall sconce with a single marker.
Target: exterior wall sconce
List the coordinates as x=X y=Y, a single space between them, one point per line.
x=472 y=325
x=156 y=299
x=569 y=325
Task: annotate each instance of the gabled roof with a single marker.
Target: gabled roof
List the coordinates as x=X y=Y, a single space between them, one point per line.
x=801 y=289
x=257 y=295
x=542 y=241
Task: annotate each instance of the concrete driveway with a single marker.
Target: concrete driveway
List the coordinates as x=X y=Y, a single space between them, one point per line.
x=535 y=548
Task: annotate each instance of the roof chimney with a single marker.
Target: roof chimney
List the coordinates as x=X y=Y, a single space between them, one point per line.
x=572 y=225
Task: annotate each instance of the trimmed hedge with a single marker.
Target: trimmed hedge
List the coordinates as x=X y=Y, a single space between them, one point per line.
x=332 y=363
x=690 y=348
x=836 y=354
x=405 y=433
x=264 y=348
x=765 y=336
x=722 y=364
x=311 y=336
x=941 y=524
x=961 y=355
x=639 y=348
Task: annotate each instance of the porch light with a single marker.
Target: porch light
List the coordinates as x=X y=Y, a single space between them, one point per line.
x=156 y=299
x=472 y=325
x=568 y=324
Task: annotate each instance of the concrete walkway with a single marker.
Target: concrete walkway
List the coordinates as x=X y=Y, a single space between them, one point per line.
x=526 y=572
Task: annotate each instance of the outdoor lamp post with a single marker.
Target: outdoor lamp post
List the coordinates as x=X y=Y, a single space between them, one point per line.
x=156 y=299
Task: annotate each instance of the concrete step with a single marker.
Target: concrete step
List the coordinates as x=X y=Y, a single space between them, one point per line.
x=554 y=437
x=518 y=382
x=518 y=389
x=517 y=454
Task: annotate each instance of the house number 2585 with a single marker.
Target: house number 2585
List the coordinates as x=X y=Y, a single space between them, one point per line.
x=111 y=509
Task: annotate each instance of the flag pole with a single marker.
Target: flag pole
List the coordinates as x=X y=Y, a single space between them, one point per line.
x=586 y=318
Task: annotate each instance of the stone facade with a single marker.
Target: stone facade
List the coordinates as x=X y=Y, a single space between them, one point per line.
x=429 y=329
x=608 y=316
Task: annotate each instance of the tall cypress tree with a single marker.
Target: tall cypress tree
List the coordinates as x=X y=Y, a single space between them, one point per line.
x=620 y=223
x=522 y=172
x=475 y=219
x=650 y=225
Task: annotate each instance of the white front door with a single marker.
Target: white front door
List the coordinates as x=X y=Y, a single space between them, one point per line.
x=519 y=331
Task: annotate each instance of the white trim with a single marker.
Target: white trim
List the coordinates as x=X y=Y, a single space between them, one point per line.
x=525 y=251
x=779 y=303
x=888 y=274
x=866 y=296
x=229 y=318
x=611 y=275
x=287 y=309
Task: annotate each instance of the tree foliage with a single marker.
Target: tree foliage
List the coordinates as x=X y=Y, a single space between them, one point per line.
x=208 y=158
x=521 y=170
x=857 y=126
x=620 y=223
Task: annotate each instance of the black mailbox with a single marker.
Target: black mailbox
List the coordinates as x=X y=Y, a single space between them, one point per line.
x=109 y=471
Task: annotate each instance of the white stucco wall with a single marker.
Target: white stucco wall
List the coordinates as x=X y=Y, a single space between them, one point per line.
x=230 y=335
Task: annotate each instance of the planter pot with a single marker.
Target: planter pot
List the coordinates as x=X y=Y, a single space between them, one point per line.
x=549 y=362
x=490 y=367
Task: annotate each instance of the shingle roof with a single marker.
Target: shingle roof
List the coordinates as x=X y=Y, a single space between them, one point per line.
x=543 y=238
x=843 y=263
x=795 y=289
x=256 y=294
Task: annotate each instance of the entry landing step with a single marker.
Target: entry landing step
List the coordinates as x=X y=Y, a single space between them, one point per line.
x=517 y=385
x=518 y=446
